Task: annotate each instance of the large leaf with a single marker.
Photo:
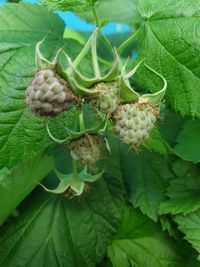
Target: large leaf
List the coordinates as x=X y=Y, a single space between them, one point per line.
x=64 y=5
x=170 y=125
x=114 y=11
x=188 y=141
x=17 y=183
x=55 y=231
x=169 y=41
x=190 y=226
x=22 y=134
x=183 y=192
x=147 y=175
x=140 y=242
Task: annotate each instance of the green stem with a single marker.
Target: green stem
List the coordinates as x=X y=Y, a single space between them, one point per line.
x=74 y=169
x=81 y=122
x=95 y=17
x=128 y=41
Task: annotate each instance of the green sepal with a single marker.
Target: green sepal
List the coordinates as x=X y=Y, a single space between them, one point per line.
x=80 y=78
x=40 y=60
x=76 y=183
x=72 y=135
x=75 y=135
x=127 y=94
x=157 y=97
x=114 y=72
x=81 y=90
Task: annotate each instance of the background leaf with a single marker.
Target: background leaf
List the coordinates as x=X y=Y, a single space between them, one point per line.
x=190 y=226
x=23 y=134
x=169 y=39
x=147 y=175
x=64 y=5
x=21 y=180
x=140 y=242
x=184 y=191
x=188 y=141
x=114 y=10
x=54 y=231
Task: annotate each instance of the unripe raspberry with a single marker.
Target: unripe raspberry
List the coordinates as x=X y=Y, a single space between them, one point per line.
x=134 y=122
x=108 y=99
x=48 y=94
x=87 y=149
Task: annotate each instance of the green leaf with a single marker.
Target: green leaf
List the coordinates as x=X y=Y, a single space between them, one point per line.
x=17 y=183
x=54 y=231
x=190 y=226
x=23 y=134
x=183 y=192
x=115 y=11
x=188 y=141
x=147 y=175
x=65 y=5
x=140 y=242
x=169 y=41
x=157 y=144
x=170 y=125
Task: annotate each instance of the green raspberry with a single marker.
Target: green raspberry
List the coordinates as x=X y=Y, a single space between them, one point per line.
x=134 y=122
x=108 y=99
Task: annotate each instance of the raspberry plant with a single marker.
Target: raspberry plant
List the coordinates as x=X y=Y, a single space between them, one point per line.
x=99 y=148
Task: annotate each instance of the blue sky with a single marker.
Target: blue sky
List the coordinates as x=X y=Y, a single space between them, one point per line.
x=74 y=22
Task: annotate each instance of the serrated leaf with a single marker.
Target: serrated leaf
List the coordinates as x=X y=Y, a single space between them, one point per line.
x=183 y=193
x=140 y=242
x=170 y=125
x=188 y=141
x=23 y=134
x=17 y=183
x=147 y=175
x=169 y=39
x=190 y=226
x=65 y=5
x=157 y=144
x=54 y=231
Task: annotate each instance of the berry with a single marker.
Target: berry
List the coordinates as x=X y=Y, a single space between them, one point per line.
x=87 y=149
x=134 y=122
x=108 y=99
x=48 y=94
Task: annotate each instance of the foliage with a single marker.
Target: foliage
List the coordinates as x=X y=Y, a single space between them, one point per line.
x=141 y=207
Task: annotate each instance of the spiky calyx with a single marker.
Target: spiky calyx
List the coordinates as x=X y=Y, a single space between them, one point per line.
x=134 y=122
x=87 y=150
x=108 y=99
x=48 y=94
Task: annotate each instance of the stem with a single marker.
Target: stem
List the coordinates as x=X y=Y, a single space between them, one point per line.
x=95 y=17
x=74 y=169
x=128 y=41
x=81 y=121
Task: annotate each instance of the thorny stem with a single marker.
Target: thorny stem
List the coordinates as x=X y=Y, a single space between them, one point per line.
x=128 y=41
